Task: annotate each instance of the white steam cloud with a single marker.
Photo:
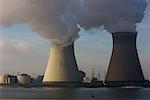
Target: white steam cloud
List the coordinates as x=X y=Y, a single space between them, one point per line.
x=115 y=15
x=57 y=20
x=50 y=18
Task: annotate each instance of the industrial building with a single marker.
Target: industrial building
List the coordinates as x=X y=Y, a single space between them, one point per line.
x=23 y=79
x=62 y=67
x=40 y=78
x=8 y=79
x=124 y=65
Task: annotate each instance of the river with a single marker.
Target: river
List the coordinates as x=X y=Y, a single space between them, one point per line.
x=75 y=93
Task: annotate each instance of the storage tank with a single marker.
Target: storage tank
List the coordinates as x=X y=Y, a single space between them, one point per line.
x=5 y=79
x=23 y=79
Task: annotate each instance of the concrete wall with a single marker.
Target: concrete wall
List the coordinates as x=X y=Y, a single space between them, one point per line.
x=124 y=64
x=62 y=65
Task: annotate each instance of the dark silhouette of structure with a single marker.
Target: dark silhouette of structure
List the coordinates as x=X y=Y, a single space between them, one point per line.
x=124 y=64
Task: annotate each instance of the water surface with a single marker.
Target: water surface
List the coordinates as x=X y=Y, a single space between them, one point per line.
x=75 y=94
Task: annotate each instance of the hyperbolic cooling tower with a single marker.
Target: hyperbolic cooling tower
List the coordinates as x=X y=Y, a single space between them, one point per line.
x=124 y=64
x=62 y=66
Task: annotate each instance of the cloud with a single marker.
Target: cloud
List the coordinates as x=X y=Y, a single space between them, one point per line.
x=1 y=44
x=116 y=16
x=58 y=20
x=52 y=19
x=13 y=46
x=23 y=56
x=21 y=45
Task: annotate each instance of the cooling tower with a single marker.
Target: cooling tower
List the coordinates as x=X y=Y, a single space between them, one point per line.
x=124 y=64
x=62 y=67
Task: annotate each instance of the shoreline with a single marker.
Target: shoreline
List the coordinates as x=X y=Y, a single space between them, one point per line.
x=82 y=86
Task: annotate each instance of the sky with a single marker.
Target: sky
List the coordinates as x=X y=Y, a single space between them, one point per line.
x=24 y=51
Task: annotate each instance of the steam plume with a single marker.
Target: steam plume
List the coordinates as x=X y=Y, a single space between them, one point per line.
x=50 y=18
x=57 y=20
x=115 y=15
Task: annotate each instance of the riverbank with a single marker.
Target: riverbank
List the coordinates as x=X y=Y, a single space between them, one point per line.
x=85 y=85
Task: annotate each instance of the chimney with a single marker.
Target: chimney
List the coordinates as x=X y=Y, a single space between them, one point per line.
x=62 y=67
x=124 y=64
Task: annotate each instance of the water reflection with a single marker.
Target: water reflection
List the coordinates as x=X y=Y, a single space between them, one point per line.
x=63 y=93
x=75 y=93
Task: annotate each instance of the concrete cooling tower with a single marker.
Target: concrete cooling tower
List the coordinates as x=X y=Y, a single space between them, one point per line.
x=124 y=64
x=62 y=68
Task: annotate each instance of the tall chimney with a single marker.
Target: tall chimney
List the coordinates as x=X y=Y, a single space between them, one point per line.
x=62 y=67
x=124 y=64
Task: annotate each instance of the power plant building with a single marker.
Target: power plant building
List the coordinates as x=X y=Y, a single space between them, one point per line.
x=62 y=67
x=8 y=79
x=23 y=79
x=124 y=64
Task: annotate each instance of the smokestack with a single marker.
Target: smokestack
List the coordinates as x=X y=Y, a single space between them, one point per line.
x=62 y=67
x=124 y=64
